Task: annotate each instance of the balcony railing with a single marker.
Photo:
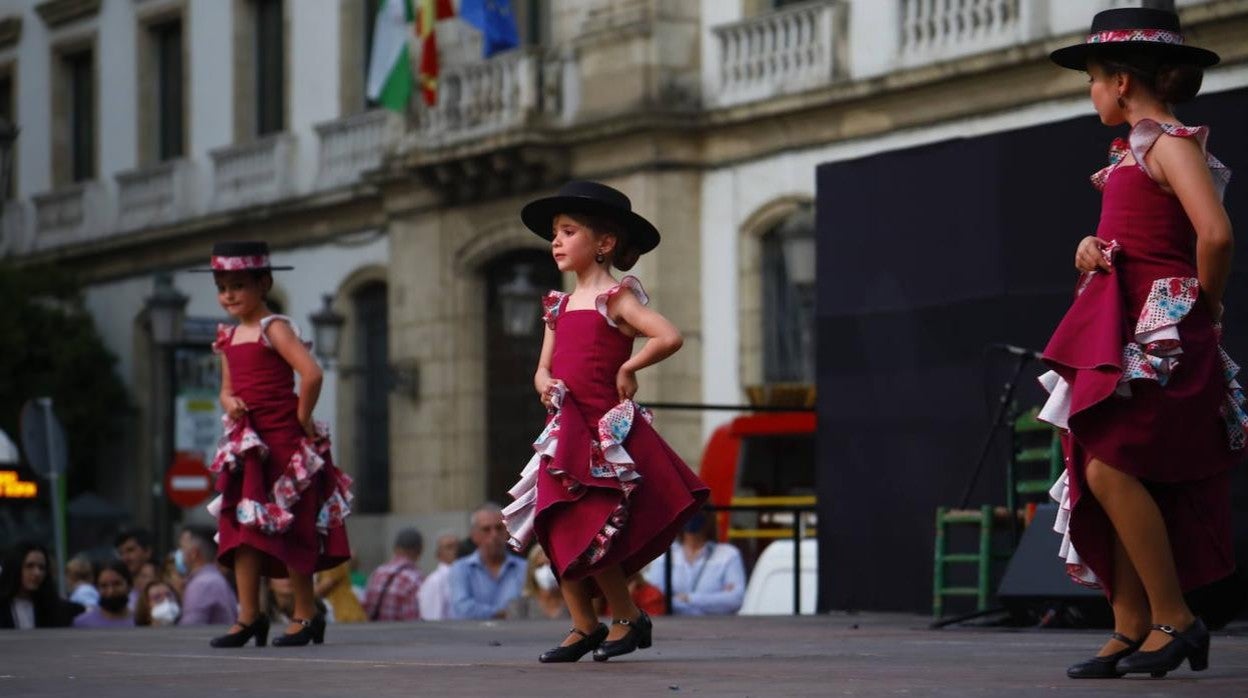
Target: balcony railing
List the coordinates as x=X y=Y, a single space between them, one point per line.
x=783 y=52
x=354 y=145
x=155 y=195
x=13 y=239
x=71 y=214
x=483 y=98
x=935 y=30
x=253 y=173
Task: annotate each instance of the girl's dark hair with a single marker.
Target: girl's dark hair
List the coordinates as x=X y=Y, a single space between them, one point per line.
x=1172 y=82
x=625 y=254
x=117 y=566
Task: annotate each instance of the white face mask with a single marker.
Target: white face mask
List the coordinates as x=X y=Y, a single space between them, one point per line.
x=545 y=578
x=165 y=612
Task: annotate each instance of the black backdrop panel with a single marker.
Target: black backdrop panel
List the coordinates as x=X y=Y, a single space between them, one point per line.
x=927 y=256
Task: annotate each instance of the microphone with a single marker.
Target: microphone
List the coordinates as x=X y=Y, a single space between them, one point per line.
x=1016 y=351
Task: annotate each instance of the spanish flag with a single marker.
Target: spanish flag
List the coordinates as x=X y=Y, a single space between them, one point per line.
x=427 y=16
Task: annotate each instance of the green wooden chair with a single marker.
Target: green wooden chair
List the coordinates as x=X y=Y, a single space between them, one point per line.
x=1036 y=455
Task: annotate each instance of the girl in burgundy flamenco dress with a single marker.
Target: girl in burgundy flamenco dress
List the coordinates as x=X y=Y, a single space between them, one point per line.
x=603 y=494
x=1153 y=416
x=282 y=502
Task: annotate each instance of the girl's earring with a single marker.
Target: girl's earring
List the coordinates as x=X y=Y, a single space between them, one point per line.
x=599 y=258
x=1122 y=103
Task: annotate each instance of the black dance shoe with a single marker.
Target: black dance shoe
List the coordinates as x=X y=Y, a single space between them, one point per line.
x=1105 y=667
x=1191 y=645
x=576 y=650
x=258 y=628
x=312 y=631
x=638 y=637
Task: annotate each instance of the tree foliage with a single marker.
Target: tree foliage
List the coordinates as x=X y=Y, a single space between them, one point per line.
x=49 y=347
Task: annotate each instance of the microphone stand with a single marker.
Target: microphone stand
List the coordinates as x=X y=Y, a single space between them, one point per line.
x=1003 y=406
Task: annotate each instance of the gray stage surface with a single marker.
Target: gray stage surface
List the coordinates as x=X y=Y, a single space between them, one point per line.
x=867 y=654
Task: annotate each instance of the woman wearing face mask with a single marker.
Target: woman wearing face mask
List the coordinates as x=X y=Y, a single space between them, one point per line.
x=157 y=605
x=540 y=597
x=28 y=597
x=113 y=583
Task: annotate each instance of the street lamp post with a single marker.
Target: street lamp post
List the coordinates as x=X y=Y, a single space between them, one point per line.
x=166 y=311
x=402 y=377
x=520 y=303
x=797 y=243
x=8 y=137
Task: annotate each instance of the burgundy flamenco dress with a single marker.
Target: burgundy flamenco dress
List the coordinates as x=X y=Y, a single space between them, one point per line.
x=1140 y=381
x=602 y=487
x=279 y=490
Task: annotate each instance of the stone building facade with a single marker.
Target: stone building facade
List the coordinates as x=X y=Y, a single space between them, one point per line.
x=710 y=114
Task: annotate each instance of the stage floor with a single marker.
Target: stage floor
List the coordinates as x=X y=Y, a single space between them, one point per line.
x=861 y=654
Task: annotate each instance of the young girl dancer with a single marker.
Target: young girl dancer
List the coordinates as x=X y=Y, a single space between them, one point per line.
x=282 y=502
x=603 y=493
x=1153 y=415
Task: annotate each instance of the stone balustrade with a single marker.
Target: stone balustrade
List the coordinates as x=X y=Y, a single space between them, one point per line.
x=353 y=145
x=253 y=173
x=71 y=214
x=783 y=52
x=935 y=30
x=156 y=195
x=483 y=98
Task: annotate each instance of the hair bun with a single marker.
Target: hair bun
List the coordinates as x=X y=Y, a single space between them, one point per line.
x=1178 y=82
x=626 y=258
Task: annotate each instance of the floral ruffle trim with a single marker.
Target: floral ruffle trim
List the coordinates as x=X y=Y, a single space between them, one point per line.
x=1075 y=568
x=1154 y=354
x=608 y=459
x=630 y=283
x=1146 y=132
x=225 y=333
x=1142 y=138
x=274 y=516
x=552 y=307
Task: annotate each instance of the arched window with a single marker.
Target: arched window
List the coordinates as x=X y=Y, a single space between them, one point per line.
x=372 y=399
x=788 y=271
x=513 y=412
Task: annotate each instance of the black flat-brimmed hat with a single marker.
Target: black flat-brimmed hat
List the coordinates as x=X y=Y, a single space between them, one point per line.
x=580 y=196
x=240 y=256
x=1137 y=27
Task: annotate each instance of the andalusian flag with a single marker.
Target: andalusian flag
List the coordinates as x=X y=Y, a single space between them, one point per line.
x=430 y=12
x=389 y=67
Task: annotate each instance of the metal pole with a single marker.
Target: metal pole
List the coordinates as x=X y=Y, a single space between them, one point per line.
x=667 y=580
x=797 y=563
x=158 y=442
x=54 y=477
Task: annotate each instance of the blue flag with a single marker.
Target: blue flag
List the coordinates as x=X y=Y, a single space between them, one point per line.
x=496 y=22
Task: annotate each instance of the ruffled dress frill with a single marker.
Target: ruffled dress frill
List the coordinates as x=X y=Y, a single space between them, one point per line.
x=1140 y=381
x=602 y=487
x=279 y=491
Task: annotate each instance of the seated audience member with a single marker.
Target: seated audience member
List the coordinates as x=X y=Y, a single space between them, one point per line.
x=393 y=589
x=540 y=597
x=80 y=580
x=158 y=605
x=708 y=578
x=28 y=596
x=207 y=598
x=435 y=592
x=113 y=583
x=484 y=583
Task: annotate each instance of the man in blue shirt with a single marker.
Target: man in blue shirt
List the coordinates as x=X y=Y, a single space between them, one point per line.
x=708 y=578
x=485 y=582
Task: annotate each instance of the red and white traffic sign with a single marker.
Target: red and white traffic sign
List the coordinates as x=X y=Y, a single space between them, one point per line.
x=187 y=481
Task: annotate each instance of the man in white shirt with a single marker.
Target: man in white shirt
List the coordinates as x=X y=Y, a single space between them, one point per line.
x=435 y=594
x=708 y=578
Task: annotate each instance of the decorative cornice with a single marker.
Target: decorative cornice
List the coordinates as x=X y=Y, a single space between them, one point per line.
x=58 y=12
x=10 y=31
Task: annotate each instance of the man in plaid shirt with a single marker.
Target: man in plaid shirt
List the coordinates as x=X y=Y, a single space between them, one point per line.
x=392 y=588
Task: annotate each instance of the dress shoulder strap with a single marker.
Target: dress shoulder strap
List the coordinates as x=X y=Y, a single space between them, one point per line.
x=225 y=335
x=1146 y=132
x=553 y=304
x=264 y=330
x=630 y=283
